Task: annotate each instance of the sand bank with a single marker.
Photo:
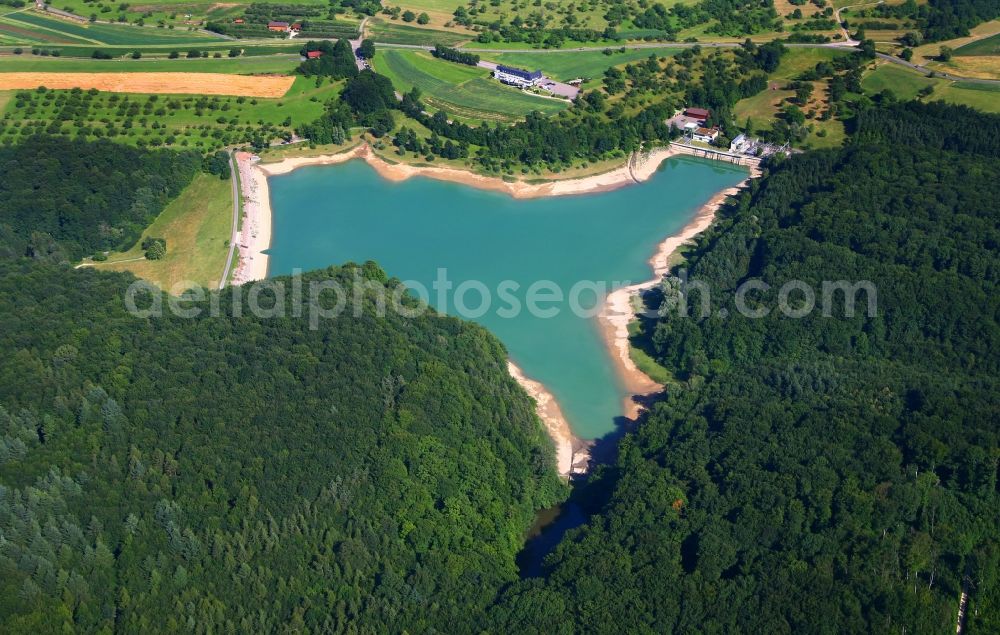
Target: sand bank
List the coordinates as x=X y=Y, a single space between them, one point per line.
x=620 y=305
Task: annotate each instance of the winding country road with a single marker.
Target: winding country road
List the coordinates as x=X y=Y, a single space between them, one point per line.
x=235 y=178
x=840 y=20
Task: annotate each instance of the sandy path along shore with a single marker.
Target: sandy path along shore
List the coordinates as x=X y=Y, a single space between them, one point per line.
x=619 y=307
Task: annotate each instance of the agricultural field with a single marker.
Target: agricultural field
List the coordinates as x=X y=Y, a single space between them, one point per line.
x=569 y=65
x=976 y=56
x=390 y=32
x=17 y=32
x=269 y=86
x=907 y=84
x=199 y=122
x=973 y=66
x=270 y=64
x=179 y=15
x=197 y=228
x=986 y=46
x=213 y=49
x=928 y=52
x=101 y=33
x=462 y=91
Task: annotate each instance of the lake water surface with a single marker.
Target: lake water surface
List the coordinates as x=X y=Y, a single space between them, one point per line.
x=325 y=215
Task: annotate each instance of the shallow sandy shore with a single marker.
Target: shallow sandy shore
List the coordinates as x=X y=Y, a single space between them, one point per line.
x=633 y=172
x=572 y=454
x=620 y=306
x=255 y=234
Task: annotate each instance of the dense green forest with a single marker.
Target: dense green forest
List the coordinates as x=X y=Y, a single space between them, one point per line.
x=824 y=474
x=254 y=475
x=943 y=19
x=63 y=199
x=377 y=474
x=231 y=472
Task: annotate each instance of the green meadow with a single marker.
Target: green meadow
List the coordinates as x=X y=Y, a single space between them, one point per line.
x=985 y=46
x=466 y=92
x=197 y=227
x=570 y=64
x=906 y=84
x=762 y=108
x=390 y=32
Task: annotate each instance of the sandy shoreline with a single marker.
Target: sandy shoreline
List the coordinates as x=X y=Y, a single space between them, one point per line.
x=571 y=453
x=632 y=172
x=619 y=307
x=255 y=233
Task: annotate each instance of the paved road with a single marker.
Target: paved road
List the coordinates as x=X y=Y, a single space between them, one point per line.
x=235 y=178
x=356 y=44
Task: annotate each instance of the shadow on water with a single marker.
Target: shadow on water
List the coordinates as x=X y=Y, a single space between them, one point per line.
x=585 y=500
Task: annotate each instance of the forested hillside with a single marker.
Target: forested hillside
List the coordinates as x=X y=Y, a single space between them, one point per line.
x=243 y=474
x=822 y=474
x=63 y=199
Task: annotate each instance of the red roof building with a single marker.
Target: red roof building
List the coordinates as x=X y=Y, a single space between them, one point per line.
x=311 y=55
x=277 y=26
x=238 y=21
x=296 y=27
x=696 y=113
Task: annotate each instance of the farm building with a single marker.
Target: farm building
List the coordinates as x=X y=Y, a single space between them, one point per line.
x=312 y=55
x=281 y=27
x=517 y=76
x=696 y=113
x=705 y=135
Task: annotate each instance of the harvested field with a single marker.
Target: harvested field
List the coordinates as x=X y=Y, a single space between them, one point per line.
x=165 y=83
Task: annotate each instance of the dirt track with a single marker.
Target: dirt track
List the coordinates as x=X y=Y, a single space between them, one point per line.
x=166 y=83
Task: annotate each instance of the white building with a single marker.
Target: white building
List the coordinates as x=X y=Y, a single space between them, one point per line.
x=517 y=76
x=741 y=143
x=705 y=135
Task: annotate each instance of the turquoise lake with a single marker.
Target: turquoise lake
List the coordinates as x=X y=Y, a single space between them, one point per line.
x=325 y=215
